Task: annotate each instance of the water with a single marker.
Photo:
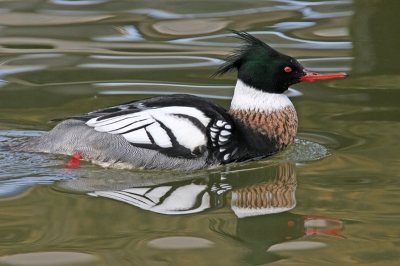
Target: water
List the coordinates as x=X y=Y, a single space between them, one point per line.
x=330 y=198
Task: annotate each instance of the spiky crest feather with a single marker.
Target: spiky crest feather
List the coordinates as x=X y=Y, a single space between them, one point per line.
x=234 y=60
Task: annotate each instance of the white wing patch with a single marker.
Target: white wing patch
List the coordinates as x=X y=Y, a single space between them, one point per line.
x=189 y=111
x=162 y=139
x=157 y=126
x=138 y=136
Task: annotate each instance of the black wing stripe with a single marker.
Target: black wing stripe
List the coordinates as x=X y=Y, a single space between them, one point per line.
x=121 y=113
x=129 y=125
x=136 y=128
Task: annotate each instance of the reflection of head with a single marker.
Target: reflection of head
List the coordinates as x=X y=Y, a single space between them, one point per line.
x=274 y=196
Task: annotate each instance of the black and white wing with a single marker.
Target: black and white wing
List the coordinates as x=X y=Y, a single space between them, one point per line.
x=223 y=141
x=174 y=130
x=178 y=125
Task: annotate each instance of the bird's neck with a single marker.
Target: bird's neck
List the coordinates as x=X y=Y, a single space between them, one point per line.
x=267 y=115
x=247 y=98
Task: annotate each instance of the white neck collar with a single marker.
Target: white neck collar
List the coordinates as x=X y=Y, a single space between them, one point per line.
x=247 y=98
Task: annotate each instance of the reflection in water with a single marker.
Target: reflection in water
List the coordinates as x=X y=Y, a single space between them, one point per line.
x=271 y=192
x=260 y=199
x=270 y=232
x=261 y=204
x=264 y=191
x=166 y=199
x=177 y=194
x=273 y=195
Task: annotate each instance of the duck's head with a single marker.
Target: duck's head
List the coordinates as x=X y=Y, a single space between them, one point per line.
x=263 y=68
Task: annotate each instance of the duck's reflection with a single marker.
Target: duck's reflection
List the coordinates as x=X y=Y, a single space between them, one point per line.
x=264 y=235
x=273 y=193
x=264 y=222
x=261 y=191
x=172 y=198
x=260 y=198
x=255 y=192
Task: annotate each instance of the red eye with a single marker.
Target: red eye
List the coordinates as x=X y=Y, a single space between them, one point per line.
x=288 y=69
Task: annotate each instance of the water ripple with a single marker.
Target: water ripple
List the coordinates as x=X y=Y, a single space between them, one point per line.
x=128 y=34
x=207 y=91
x=78 y=3
x=275 y=39
x=160 y=14
x=208 y=61
x=19 y=170
x=284 y=26
x=302 y=151
x=30 y=19
x=335 y=64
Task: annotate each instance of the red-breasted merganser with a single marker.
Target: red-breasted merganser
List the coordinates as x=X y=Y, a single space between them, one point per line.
x=186 y=132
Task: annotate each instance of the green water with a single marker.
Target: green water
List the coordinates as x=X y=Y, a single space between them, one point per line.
x=340 y=179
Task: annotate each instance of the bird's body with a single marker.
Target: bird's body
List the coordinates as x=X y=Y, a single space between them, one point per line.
x=186 y=132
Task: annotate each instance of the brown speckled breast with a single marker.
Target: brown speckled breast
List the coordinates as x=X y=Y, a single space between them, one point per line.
x=280 y=125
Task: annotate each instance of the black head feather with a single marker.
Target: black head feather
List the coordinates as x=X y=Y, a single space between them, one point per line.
x=260 y=66
x=234 y=60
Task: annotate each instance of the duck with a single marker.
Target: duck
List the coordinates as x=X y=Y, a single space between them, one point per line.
x=186 y=132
